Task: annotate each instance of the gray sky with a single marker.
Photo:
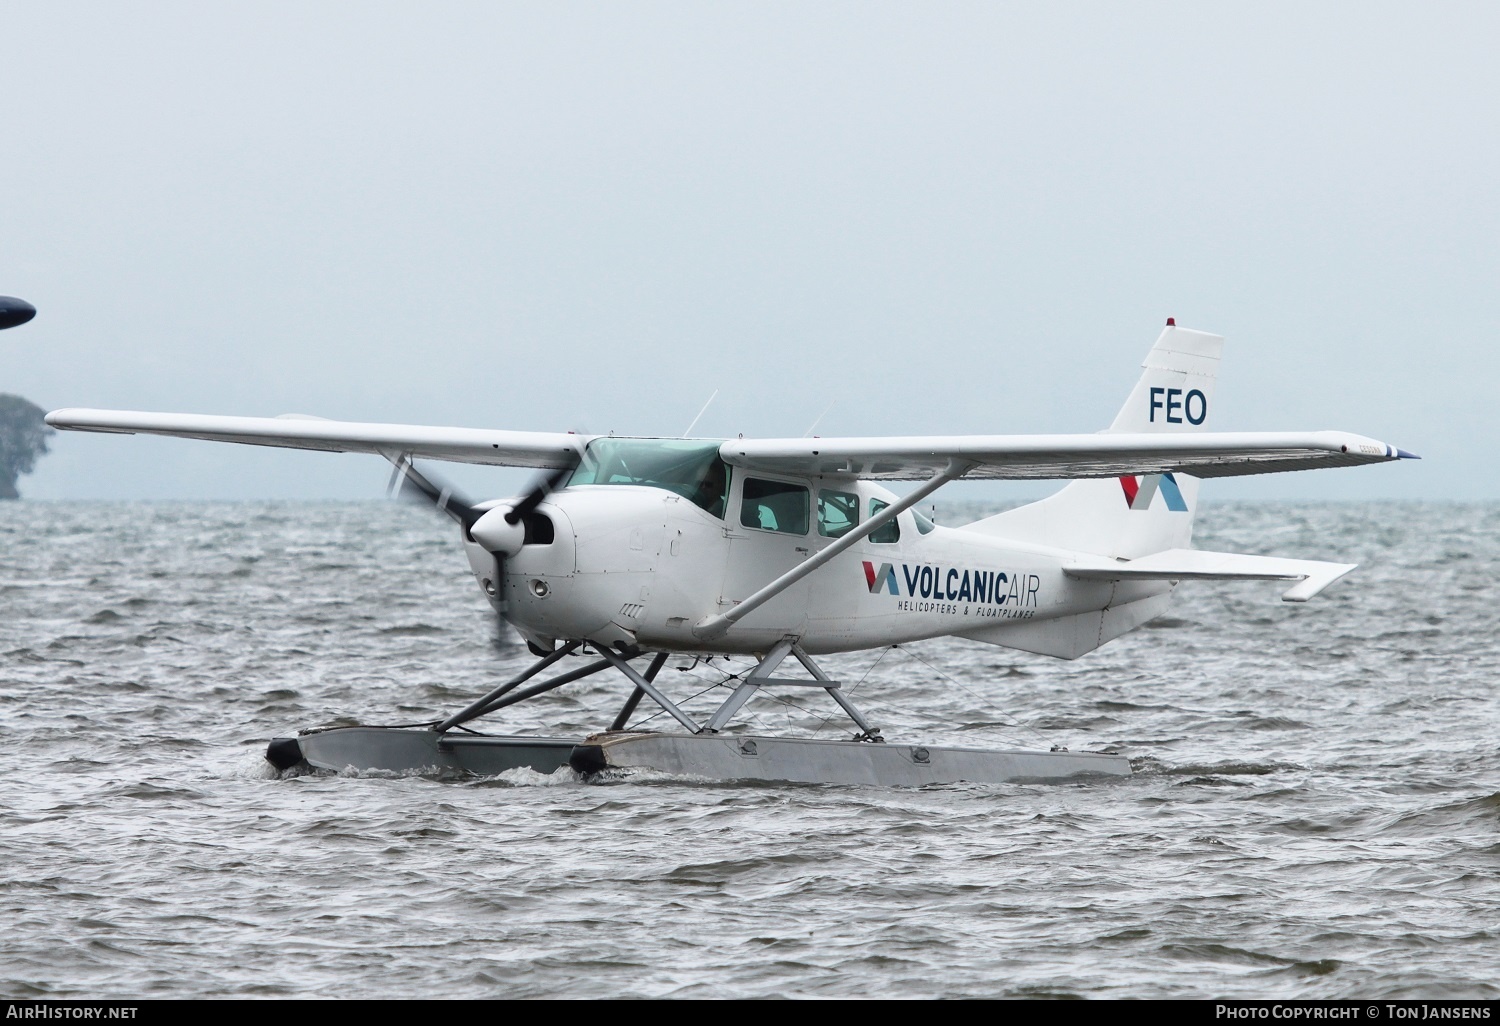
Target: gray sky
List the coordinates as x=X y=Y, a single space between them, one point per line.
x=943 y=218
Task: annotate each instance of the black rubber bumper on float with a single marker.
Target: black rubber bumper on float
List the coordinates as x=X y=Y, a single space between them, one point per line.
x=587 y=759
x=283 y=752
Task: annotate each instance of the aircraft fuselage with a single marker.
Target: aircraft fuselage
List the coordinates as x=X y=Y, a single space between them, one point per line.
x=641 y=566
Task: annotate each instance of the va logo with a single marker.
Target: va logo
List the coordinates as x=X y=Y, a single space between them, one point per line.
x=1139 y=491
x=882 y=579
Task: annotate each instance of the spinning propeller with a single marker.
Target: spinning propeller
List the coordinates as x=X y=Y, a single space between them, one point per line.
x=500 y=530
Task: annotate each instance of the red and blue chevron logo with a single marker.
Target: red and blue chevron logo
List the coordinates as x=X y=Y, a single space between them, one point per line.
x=1139 y=491
x=883 y=579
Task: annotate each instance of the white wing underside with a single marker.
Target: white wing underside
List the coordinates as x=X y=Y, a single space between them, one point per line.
x=994 y=457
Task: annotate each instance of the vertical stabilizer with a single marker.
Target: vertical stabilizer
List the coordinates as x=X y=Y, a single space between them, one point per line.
x=1175 y=391
x=1130 y=517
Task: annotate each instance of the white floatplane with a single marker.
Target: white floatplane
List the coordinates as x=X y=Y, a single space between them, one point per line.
x=633 y=550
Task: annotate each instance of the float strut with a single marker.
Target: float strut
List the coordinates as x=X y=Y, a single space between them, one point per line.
x=836 y=693
x=547 y=685
x=761 y=677
x=623 y=665
x=747 y=687
x=483 y=706
x=636 y=695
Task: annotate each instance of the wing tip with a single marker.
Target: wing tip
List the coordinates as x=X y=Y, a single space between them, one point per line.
x=65 y=418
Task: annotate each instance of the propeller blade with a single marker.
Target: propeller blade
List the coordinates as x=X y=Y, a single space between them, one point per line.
x=544 y=487
x=551 y=482
x=446 y=499
x=443 y=497
x=498 y=600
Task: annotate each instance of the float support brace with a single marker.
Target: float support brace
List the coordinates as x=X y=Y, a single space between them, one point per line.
x=749 y=685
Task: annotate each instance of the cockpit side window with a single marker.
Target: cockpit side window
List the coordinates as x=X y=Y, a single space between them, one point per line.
x=775 y=506
x=887 y=533
x=838 y=512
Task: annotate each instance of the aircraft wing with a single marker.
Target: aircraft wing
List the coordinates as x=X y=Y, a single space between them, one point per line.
x=1037 y=457
x=293 y=431
x=1312 y=575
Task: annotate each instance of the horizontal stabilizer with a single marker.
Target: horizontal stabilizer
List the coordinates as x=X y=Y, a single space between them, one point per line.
x=1311 y=575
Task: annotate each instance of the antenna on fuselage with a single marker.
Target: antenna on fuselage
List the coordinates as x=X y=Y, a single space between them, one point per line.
x=820 y=418
x=700 y=415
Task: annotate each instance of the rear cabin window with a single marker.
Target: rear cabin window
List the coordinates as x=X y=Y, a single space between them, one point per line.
x=838 y=512
x=886 y=533
x=775 y=506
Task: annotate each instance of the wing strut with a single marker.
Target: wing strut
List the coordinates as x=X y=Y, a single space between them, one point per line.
x=714 y=626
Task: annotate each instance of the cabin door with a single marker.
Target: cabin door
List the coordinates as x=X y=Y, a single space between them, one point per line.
x=768 y=531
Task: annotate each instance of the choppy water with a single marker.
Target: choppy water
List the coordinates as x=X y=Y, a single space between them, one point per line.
x=1315 y=812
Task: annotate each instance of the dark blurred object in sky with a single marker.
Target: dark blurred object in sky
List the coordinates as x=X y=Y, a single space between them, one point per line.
x=14 y=311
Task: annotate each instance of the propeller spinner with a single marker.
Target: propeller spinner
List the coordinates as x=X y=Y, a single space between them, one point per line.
x=503 y=528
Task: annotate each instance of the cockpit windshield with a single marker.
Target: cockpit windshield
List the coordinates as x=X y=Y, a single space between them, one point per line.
x=690 y=468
